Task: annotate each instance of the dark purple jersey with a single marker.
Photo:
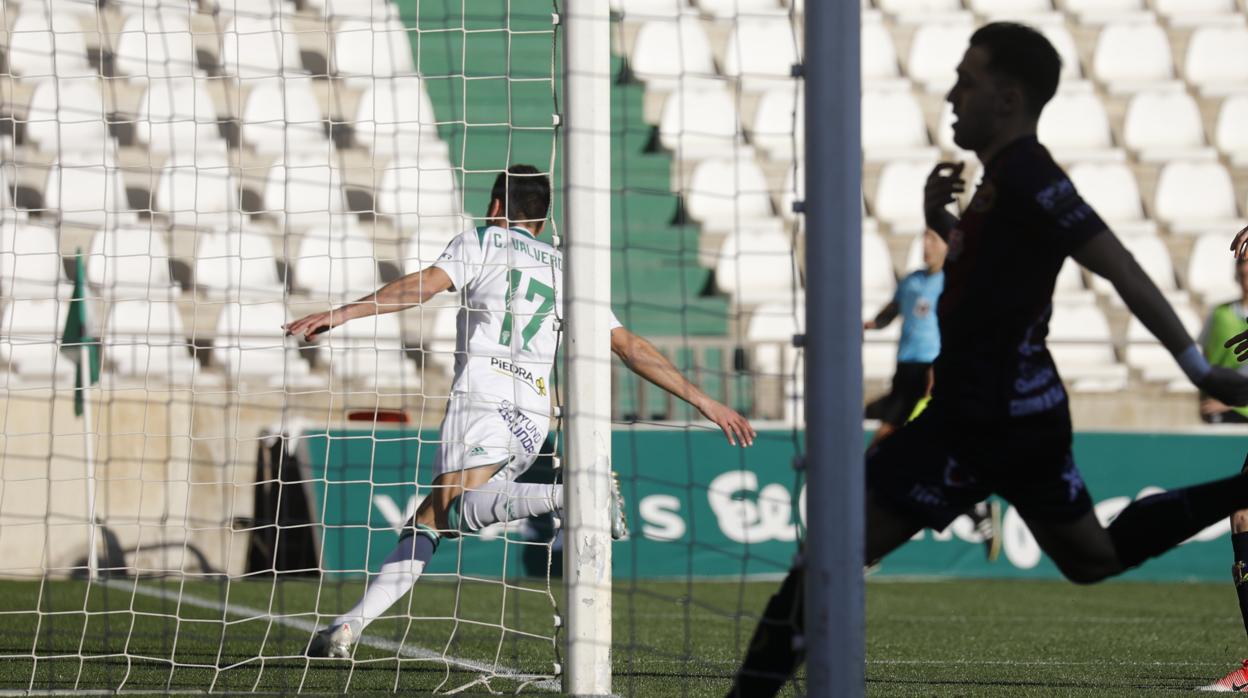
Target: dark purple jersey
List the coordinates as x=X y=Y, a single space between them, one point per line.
x=1004 y=256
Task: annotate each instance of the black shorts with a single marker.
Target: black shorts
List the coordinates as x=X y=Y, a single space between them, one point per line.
x=935 y=468
x=909 y=386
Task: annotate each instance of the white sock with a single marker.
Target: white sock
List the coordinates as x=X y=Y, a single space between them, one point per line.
x=500 y=500
x=399 y=572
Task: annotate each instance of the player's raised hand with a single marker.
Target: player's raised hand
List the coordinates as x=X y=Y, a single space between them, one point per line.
x=942 y=188
x=309 y=326
x=1226 y=385
x=736 y=427
x=1240 y=246
x=1239 y=343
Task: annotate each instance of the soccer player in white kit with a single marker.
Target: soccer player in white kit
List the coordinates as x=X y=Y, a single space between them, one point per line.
x=510 y=287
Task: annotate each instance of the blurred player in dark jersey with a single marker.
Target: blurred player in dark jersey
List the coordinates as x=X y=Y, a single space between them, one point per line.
x=999 y=418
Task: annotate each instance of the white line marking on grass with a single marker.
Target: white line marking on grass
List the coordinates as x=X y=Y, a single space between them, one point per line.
x=414 y=651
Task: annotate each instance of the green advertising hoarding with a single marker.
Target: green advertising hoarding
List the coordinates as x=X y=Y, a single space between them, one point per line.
x=698 y=507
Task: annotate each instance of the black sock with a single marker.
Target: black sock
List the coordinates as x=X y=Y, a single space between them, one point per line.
x=1152 y=525
x=772 y=659
x=1239 y=572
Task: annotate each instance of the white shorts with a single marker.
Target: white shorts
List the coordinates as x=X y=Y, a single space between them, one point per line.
x=481 y=430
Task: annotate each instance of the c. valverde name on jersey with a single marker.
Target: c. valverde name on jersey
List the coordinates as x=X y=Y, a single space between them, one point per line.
x=507 y=368
x=543 y=256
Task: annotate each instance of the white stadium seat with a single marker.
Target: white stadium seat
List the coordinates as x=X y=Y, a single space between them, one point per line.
x=1096 y=11
x=176 y=116
x=699 y=122
x=67 y=118
x=762 y=51
x=1111 y=190
x=879 y=54
x=724 y=192
x=899 y=195
x=726 y=9
x=878 y=279
x=369 y=350
x=369 y=10
x=795 y=190
x=336 y=267
x=421 y=197
x=1075 y=124
x=1153 y=256
x=146 y=339
x=1145 y=353
x=251 y=344
x=936 y=50
x=756 y=264
x=129 y=263
x=48 y=42
x=1053 y=26
x=200 y=194
x=1211 y=269
x=1132 y=55
x=645 y=9
x=893 y=126
x=29 y=330
x=30 y=260
x=1079 y=340
x=667 y=51
x=257 y=47
x=1009 y=7
x=281 y=115
x=775 y=132
x=237 y=264
x=156 y=43
x=304 y=194
x=1181 y=12
x=1069 y=287
x=919 y=8
x=94 y=195
x=1230 y=134
x=364 y=50
x=770 y=331
x=1195 y=196
x=1217 y=58
x=1164 y=125
x=397 y=106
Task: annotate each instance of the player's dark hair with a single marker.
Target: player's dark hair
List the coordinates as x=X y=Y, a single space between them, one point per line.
x=525 y=191
x=1019 y=52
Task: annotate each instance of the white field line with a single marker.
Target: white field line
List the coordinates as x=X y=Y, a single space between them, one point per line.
x=408 y=650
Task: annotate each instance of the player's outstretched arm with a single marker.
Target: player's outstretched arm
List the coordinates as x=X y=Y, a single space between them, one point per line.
x=1105 y=256
x=883 y=318
x=642 y=358
x=400 y=294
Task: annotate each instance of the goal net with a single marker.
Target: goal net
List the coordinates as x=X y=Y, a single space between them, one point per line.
x=187 y=495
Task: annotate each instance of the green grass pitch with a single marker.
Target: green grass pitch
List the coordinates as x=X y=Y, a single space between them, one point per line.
x=954 y=638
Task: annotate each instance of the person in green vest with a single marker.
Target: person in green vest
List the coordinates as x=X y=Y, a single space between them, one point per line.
x=1226 y=321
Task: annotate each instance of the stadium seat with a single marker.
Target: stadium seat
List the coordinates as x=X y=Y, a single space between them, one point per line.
x=419 y=197
x=176 y=116
x=879 y=54
x=237 y=264
x=762 y=51
x=724 y=192
x=33 y=33
x=258 y=47
x=699 y=122
x=1080 y=342
x=156 y=43
x=1009 y=7
x=1069 y=286
x=918 y=8
x=1100 y=11
x=893 y=126
x=369 y=350
x=336 y=267
x=392 y=107
x=1211 y=270
x=936 y=49
x=67 y=118
x=1230 y=134
x=1145 y=353
x=251 y=344
x=366 y=50
x=646 y=9
x=756 y=264
x=742 y=9
x=878 y=278
x=770 y=332
x=1195 y=196
x=29 y=330
x=1132 y=55
x=1053 y=26
x=669 y=50
x=1185 y=12
x=774 y=131
x=281 y=115
x=1154 y=257
x=1111 y=190
x=1217 y=59
x=146 y=339
x=30 y=260
x=201 y=194
x=129 y=263
x=303 y=194
x=1164 y=125
x=899 y=195
x=355 y=10
x=94 y=195
x=1074 y=124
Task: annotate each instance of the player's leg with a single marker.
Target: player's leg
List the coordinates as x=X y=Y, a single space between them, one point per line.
x=1237 y=680
x=774 y=654
x=501 y=499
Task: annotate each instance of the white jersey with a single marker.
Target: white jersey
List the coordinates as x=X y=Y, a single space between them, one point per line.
x=511 y=293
